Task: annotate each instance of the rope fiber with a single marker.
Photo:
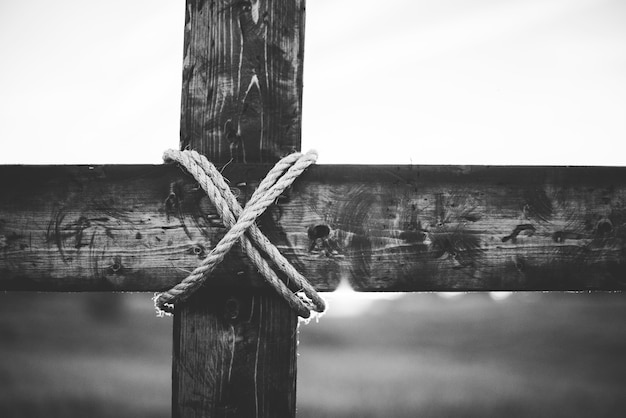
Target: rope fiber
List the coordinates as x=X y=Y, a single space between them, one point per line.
x=303 y=298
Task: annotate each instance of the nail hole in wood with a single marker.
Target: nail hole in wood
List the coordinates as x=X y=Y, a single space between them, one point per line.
x=231 y=308
x=318 y=231
x=116 y=266
x=197 y=250
x=604 y=227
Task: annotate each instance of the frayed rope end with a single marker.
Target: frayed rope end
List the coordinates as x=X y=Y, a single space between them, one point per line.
x=313 y=154
x=162 y=310
x=167 y=156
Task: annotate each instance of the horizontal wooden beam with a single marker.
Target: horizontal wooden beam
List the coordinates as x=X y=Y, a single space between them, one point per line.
x=387 y=228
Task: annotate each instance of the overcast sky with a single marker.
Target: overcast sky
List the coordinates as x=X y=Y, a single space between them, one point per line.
x=403 y=81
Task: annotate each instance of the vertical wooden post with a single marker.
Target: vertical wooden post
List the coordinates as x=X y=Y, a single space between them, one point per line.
x=235 y=351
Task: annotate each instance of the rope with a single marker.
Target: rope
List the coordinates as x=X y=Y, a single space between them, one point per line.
x=304 y=298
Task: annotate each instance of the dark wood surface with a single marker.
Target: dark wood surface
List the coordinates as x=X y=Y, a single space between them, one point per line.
x=235 y=353
x=242 y=79
x=403 y=228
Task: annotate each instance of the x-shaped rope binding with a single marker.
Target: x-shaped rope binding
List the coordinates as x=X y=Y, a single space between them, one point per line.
x=242 y=225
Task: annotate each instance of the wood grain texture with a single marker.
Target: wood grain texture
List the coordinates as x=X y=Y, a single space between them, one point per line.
x=234 y=355
x=242 y=79
x=402 y=228
x=241 y=102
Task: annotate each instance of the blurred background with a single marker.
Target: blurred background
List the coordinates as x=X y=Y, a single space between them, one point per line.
x=446 y=82
x=418 y=355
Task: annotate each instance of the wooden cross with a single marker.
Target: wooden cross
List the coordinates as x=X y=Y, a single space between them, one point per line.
x=381 y=228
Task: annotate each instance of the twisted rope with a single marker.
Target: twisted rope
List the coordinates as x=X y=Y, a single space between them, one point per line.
x=303 y=298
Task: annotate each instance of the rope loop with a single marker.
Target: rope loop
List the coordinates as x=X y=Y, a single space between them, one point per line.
x=300 y=294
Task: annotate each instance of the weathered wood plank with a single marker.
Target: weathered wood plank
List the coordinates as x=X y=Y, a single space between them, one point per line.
x=403 y=228
x=232 y=357
x=241 y=102
x=242 y=79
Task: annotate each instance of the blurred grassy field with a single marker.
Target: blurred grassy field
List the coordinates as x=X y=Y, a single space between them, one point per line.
x=531 y=355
